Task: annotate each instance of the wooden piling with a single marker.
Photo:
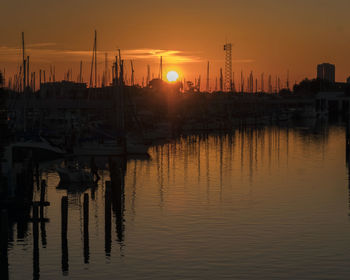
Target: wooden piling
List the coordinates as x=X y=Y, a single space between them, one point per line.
x=108 y=219
x=64 y=228
x=86 y=228
x=36 y=264
x=117 y=190
x=42 y=191
x=42 y=219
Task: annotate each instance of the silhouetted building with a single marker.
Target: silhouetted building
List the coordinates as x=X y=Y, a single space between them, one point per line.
x=348 y=80
x=326 y=71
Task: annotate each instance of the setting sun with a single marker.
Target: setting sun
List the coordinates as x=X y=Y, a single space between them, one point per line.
x=172 y=76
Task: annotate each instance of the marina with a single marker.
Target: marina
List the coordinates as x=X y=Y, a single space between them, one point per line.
x=176 y=140
x=133 y=215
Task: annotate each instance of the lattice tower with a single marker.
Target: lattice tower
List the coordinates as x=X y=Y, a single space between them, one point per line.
x=228 y=66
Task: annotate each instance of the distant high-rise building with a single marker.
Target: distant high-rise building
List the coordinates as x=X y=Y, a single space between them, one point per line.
x=326 y=71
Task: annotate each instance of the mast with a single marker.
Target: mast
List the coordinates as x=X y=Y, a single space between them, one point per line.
x=24 y=63
x=121 y=88
x=221 y=81
x=116 y=71
x=92 y=66
x=94 y=62
x=106 y=70
x=27 y=71
x=121 y=69
x=95 y=58
x=148 y=75
x=81 y=72
x=199 y=84
x=132 y=73
x=161 y=68
x=233 y=86
x=208 y=76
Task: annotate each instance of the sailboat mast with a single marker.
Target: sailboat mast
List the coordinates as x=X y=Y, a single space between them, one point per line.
x=95 y=58
x=161 y=68
x=24 y=63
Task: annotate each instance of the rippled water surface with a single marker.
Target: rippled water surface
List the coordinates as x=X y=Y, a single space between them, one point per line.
x=267 y=203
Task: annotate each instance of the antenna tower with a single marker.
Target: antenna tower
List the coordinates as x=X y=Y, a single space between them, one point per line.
x=228 y=66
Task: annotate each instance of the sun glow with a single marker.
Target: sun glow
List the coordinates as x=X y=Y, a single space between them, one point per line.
x=172 y=76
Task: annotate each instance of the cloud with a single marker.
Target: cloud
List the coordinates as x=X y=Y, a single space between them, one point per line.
x=40 y=45
x=41 y=53
x=234 y=61
x=169 y=56
x=8 y=54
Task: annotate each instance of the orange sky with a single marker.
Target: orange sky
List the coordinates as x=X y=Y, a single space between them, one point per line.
x=270 y=36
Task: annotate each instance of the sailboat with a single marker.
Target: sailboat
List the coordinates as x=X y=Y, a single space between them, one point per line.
x=38 y=148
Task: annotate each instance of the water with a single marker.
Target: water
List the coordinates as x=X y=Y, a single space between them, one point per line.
x=267 y=203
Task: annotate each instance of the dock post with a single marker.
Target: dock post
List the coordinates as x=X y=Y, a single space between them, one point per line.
x=42 y=221
x=64 y=228
x=119 y=189
x=42 y=190
x=117 y=192
x=86 y=228
x=4 y=267
x=108 y=218
x=36 y=264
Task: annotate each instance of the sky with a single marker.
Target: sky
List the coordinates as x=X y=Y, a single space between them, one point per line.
x=268 y=36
